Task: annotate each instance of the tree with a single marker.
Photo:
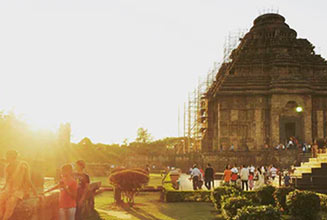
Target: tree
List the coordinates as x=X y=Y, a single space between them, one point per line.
x=143 y=136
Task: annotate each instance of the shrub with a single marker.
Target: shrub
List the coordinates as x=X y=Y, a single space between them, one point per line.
x=323 y=201
x=252 y=196
x=280 y=197
x=128 y=181
x=223 y=191
x=265 y=195
x=232 y=204
x=303 y=204
x=258 y=212
x=186 y=196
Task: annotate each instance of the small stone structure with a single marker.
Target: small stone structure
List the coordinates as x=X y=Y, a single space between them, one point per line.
x=254 y=98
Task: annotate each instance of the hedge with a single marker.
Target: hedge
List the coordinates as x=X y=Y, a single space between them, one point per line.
x=187 y=196
x=169 y=194
x=224 y=191
x=252 y=196
x=232 y=204
x=304 y=205
x=280 y=197
x=258 y=212
x=323 y=201
x=265 y=195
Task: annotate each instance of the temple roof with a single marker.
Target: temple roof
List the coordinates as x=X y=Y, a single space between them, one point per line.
x=270 y=58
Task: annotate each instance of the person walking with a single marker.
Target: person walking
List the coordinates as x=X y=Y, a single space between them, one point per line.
x=244 y=174
x=196 y=175
x=261 y=179
x=209 y=177
x=227 y=175
x=234 y=175
x=273 y=172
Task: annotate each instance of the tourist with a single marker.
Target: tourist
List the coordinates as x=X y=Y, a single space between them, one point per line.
x=314 y=149
x=261 y=179
x=147 y=168
x=231 y=147
x=201 y=180
x=17 y=186
x=83 y=181
x=209 y=177
x=234 y=175
x=287 y=180
x=227 y=175
x=290 y=143
x=68 y=192
x=280 y=177
x=273 y=172
x=244 y=174
x=196 y=175
x=252 y=169
x=251 y=180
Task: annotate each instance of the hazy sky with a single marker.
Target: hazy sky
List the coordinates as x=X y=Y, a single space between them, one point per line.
x=109 y=67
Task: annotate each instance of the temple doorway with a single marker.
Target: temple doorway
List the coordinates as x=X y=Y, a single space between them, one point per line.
x=290 y=127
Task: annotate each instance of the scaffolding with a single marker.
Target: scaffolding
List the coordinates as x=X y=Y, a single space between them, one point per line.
x=196 y=108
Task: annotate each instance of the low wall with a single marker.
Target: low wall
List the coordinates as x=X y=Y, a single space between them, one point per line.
x=35 y=209
x=219 y=160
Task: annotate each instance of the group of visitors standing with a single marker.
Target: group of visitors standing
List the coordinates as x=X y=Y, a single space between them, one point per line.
x=198 y=176
x=73 y=188
x=250 y=177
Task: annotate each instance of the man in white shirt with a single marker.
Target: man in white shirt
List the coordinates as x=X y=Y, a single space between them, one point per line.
x=196 y=175
x=244 y=174
x=273 y=172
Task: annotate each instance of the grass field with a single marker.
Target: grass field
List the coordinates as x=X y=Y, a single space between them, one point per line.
x=148 y=207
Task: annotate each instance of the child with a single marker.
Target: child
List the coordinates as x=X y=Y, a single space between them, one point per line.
x=68 y=192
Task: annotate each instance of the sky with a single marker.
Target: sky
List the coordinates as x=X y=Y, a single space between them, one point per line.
x=110 y=67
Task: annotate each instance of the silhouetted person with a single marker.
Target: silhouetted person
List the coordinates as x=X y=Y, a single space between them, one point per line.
x=209 y=177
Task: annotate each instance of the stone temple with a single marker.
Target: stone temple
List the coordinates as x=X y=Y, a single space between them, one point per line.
x=274 y=87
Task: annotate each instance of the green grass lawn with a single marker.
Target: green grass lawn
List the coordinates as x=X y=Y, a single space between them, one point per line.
x=155 y=180
x=148 y=207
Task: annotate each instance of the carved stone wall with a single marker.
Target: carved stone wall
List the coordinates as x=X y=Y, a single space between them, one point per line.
x=240 y=121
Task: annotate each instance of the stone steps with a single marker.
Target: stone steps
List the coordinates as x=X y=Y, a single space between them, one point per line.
x=312 y=175
x=306 y=167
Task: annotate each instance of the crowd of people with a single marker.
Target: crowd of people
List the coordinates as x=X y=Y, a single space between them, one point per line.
x=245 y=177
x=73 y=188
x=294 y=143
x=251 y=178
